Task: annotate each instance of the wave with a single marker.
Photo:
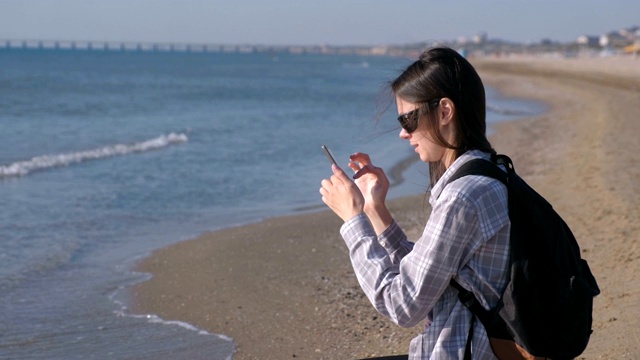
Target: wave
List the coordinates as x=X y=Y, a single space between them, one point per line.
x=43 y=162
x=362 y=64
x=123 y=291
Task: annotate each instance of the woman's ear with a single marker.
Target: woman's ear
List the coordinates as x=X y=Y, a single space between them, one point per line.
x=447 y=110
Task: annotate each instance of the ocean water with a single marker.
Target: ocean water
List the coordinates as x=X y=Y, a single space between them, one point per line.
x=108 y=155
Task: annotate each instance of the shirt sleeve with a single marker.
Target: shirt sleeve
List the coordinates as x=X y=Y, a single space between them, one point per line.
x=395 y=242
x=407 y=290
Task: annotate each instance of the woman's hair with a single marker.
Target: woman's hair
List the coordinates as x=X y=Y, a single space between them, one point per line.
x=443 y=73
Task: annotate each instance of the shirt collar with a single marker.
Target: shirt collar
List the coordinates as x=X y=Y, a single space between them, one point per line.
x=439 y=186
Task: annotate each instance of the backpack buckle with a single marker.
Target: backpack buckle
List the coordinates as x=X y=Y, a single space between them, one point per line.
x=467 y=298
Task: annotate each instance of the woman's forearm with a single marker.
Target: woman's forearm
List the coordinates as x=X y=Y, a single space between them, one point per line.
x=380 y=218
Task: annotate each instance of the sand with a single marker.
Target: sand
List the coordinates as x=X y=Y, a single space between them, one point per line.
x=283 y=288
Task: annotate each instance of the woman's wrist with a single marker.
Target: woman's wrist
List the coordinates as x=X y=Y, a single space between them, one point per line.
x=375 y=209
x=379 y=216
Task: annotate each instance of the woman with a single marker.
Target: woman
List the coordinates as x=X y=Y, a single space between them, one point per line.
x=441 y=102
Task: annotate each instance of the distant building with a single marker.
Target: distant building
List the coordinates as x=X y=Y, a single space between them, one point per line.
x=588 y=40
x=614 y=39
x=630 y=32
x=633 y=48
x=380 y=50
x=480 y=38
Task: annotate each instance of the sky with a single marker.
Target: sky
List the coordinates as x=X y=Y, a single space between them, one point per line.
x=305 y=22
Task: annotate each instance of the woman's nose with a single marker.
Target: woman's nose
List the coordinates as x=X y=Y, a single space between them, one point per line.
x=404 y=134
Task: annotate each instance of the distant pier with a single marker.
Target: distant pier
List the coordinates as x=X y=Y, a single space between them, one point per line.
x=117 y=46
x=195 y=47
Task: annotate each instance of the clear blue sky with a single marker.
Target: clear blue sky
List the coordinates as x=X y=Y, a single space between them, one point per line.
x=304 y=22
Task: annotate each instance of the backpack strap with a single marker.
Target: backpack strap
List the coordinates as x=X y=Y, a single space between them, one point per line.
x=490 y=169
x=485 y=168
x=471 y=302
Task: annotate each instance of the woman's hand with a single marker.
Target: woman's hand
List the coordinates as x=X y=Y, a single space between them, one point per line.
x=374 y=185
x=342 y=195
x=372 y=181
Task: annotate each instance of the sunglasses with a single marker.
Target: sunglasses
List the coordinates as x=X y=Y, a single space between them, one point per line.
x=409 y=120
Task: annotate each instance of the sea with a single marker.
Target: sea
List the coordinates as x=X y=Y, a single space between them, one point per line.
x=106 y=156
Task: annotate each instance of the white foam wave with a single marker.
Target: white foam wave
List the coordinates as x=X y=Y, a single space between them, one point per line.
x=155 y=319
x=363 y=65
x=43 y=162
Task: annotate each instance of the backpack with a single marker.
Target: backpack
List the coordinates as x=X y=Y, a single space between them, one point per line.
x=546 y=308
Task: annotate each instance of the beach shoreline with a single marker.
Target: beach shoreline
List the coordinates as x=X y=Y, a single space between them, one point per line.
x=284 y=287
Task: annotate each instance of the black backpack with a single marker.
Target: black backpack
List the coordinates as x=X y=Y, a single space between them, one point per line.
x=545 y=310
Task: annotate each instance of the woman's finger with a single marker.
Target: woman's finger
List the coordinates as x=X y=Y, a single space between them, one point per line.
x=368 y=169
x=339 y=175
x=325 y=183
x=354 y=166
x=361 y=158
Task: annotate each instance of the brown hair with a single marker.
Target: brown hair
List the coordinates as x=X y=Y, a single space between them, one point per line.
x=443 y=73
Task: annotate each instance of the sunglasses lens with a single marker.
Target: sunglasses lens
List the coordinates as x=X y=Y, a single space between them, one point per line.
x=409 y=121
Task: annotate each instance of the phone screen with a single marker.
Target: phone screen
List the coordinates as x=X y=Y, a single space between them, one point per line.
x=328 y=153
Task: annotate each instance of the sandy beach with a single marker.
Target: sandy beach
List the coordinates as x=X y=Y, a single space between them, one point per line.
x=284 y=288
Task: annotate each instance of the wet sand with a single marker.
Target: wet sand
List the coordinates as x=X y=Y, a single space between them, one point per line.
x=284 y=287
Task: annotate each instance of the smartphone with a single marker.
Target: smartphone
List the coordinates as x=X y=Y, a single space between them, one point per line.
x=329 y=155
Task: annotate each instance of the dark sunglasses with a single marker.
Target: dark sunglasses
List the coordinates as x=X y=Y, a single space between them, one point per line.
x=409 y=120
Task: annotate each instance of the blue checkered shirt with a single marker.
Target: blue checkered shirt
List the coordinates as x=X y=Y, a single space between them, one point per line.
x=466 y=238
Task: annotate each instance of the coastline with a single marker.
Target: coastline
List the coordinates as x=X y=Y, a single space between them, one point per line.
x=284 y=287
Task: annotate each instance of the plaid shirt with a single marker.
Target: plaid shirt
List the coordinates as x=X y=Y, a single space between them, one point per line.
x=466 y=238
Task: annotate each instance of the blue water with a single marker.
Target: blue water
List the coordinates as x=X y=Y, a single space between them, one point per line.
x=106 y=156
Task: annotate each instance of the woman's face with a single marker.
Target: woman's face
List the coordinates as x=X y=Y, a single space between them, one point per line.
x=421 y=139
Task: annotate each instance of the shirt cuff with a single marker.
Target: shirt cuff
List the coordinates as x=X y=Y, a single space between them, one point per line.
x=357 y=227
x=392 y=237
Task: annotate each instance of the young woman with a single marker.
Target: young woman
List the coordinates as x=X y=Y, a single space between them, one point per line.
x=441 y=102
